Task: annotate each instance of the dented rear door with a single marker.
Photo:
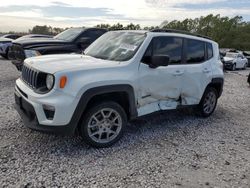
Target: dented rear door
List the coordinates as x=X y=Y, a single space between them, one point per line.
x=197 y=75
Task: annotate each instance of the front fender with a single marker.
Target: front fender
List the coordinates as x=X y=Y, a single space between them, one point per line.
x=90 y=93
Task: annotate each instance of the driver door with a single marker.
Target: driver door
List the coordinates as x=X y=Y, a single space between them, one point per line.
x=160 y=88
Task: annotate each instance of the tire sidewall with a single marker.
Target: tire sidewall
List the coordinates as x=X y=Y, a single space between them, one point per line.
x=201 y=105
x=86 y=117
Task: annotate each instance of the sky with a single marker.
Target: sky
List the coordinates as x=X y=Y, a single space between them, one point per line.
x=21 y=15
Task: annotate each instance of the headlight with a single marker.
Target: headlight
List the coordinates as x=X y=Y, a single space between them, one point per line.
x=49 y=81
x=31 y=53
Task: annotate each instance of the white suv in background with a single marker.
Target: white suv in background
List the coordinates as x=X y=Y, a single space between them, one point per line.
x=121 y=76
x=235 y=60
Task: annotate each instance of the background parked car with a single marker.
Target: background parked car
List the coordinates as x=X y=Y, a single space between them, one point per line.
x=5 y=43
x=247 y=55
x=30 y=36
x=235 y=60
x=73 y=40
x=223 y=61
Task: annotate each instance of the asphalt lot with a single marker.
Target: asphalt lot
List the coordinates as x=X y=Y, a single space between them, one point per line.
x=168 y=149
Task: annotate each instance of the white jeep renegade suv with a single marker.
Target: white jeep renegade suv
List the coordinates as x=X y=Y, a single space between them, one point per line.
x=121 y=76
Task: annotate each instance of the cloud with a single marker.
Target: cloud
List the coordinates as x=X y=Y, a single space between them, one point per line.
x=67 y=13
x=56 y=10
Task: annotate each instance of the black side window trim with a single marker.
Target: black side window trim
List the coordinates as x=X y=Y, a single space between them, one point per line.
x=151 y=45
x=207 y=58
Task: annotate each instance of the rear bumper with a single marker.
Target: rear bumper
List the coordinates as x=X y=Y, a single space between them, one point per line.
x=3 y=47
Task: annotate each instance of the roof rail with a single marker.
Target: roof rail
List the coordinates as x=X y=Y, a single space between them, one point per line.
x=179 y=31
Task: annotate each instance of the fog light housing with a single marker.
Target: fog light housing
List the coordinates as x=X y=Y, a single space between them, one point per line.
x=49 y=111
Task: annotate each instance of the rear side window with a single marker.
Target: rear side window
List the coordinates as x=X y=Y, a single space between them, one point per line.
x=195 y=51
x=12 y=37
x=209 y=50
x=170 y=46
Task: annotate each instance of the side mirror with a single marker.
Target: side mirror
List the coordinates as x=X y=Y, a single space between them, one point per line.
x=158 y=61
x=84 y=40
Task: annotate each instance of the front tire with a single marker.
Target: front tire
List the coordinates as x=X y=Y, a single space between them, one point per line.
x=208 y=102
x=103 y=124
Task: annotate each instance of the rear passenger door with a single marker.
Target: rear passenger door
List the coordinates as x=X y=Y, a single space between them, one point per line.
x=160 y=88
x=198 y=70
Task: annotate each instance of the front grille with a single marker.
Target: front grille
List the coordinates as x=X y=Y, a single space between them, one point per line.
x=30 y=76
x=16 y=53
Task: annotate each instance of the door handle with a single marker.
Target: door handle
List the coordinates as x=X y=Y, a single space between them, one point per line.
x=206 y=70
x=178 y=73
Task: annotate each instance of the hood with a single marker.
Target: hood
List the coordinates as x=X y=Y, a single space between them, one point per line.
x=228 y=59
x=39 y=42
x=2 y=39
x=56 y=63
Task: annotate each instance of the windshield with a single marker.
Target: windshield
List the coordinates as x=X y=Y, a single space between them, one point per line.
x=69 y=34
x=231 y=55
x=116 y=46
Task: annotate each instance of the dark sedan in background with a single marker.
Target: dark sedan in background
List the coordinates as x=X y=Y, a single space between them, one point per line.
x=5 y=43
x=73 y=40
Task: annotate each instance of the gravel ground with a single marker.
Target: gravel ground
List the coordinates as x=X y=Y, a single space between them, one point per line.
x=168 y=149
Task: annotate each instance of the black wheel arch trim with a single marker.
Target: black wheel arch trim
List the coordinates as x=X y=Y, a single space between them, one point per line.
x=89 y=94
x=218 y=81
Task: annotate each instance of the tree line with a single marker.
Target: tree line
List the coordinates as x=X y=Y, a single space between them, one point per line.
x=228 y=32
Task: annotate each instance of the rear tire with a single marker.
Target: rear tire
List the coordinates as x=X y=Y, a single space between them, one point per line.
x=208 y=102
x=103 y=124
x=234 y=67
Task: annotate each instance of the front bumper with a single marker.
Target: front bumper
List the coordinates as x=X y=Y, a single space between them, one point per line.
x=3 y=48
x=28 y=115
x=30 y=108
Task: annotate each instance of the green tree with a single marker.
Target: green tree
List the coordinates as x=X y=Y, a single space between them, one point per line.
x=228 y=32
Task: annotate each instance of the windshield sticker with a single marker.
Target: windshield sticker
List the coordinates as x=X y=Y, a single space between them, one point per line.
x=128 y=47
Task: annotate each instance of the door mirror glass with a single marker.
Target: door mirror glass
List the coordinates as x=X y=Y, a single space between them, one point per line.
x=158 y=61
